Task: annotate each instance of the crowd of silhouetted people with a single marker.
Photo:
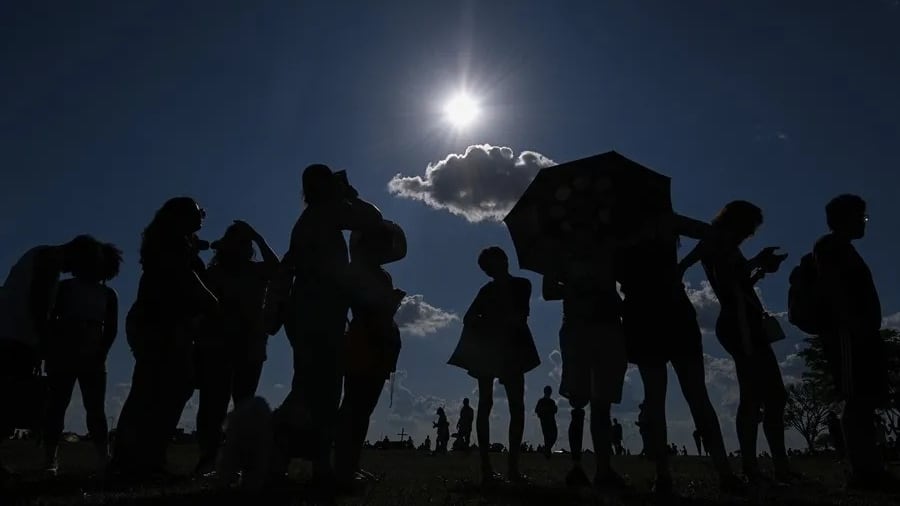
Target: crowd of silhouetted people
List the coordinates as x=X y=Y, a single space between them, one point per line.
x=204 y=326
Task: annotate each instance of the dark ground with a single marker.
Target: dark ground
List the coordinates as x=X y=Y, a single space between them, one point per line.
x=414 y=478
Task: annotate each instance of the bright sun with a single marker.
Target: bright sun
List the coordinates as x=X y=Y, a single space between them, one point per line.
x=461 y=110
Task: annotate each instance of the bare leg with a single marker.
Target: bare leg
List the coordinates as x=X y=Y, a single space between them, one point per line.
x=515 y=394
x=654 y=379
x=692 y=377
x=483 y=423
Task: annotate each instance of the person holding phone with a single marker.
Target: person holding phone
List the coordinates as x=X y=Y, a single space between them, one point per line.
x=740 y=330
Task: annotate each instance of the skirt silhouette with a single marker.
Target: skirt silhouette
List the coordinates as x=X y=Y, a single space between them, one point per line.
x=495 y=353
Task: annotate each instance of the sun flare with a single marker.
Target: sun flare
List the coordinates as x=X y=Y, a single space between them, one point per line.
x=461 y=110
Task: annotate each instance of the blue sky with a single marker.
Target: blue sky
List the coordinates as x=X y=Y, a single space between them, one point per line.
x=109 y=108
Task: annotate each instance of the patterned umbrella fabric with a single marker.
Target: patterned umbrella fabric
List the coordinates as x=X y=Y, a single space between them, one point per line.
x=585 y=199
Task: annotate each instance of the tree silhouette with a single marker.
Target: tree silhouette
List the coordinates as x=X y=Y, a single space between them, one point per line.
x=818 y=377
x=807 y=411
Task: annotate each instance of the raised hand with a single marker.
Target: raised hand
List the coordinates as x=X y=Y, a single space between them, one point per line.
x=245 y=229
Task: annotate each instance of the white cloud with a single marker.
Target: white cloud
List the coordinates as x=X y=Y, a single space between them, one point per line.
x=555 y=358
x=706 y=304
x=481 y=184
x=891 y=321
x=419 y=318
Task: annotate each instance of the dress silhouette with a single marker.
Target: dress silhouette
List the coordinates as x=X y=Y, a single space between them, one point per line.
x=496 y=342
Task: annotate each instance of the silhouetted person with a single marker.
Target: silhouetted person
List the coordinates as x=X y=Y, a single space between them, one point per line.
x=854 y=348
x=314 y=269
x=161 y=327
x=592 y=345
x=426 y=445
x=373 y=347
x=698 y=440
x=661 y=327
x=739 y=329
x=683 y=451
x=546 y=412
x=25 y=303
x=443 y=432
x=617 y=437
x=232 y=349
x=501 y=346
x=464 y=425
x=84 y=326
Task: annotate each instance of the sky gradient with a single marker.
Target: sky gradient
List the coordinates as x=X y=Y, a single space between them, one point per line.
x=109 y=108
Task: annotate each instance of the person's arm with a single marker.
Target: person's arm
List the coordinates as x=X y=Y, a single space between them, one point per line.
x=689 y=227
x=270 y=258
x=695 y=255
x=111 y=321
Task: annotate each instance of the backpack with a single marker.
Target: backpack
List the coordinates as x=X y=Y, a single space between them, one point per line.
x=804 y=296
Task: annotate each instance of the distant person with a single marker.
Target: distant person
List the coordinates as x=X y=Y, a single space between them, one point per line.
x=850 y=325
x=426 y=445
x=25 y=305
x=232 y=349
x=497 y=344
x=592 y=344
x=443 y=432
x=161 y=327
x=617 y=437
x=661 y=327
x=314 y=272
x=698 y=440
x=84 y=325
x=464 y=425
x=546 y=412
x=740 y=330
x=684 y=451
x=373 y=347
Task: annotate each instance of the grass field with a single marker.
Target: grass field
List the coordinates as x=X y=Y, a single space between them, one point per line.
x=414 y=478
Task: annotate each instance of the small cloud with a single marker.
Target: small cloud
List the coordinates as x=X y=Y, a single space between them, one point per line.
x=419 y=318
x=555 y=358
x=481 y=184
x=891 y=321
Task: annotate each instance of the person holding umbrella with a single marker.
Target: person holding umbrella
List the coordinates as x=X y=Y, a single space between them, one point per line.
x=592 y=345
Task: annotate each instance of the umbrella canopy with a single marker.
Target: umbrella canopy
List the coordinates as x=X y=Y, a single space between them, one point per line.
x=586 y=199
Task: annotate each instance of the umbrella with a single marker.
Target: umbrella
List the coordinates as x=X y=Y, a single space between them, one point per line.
x=602 y=195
